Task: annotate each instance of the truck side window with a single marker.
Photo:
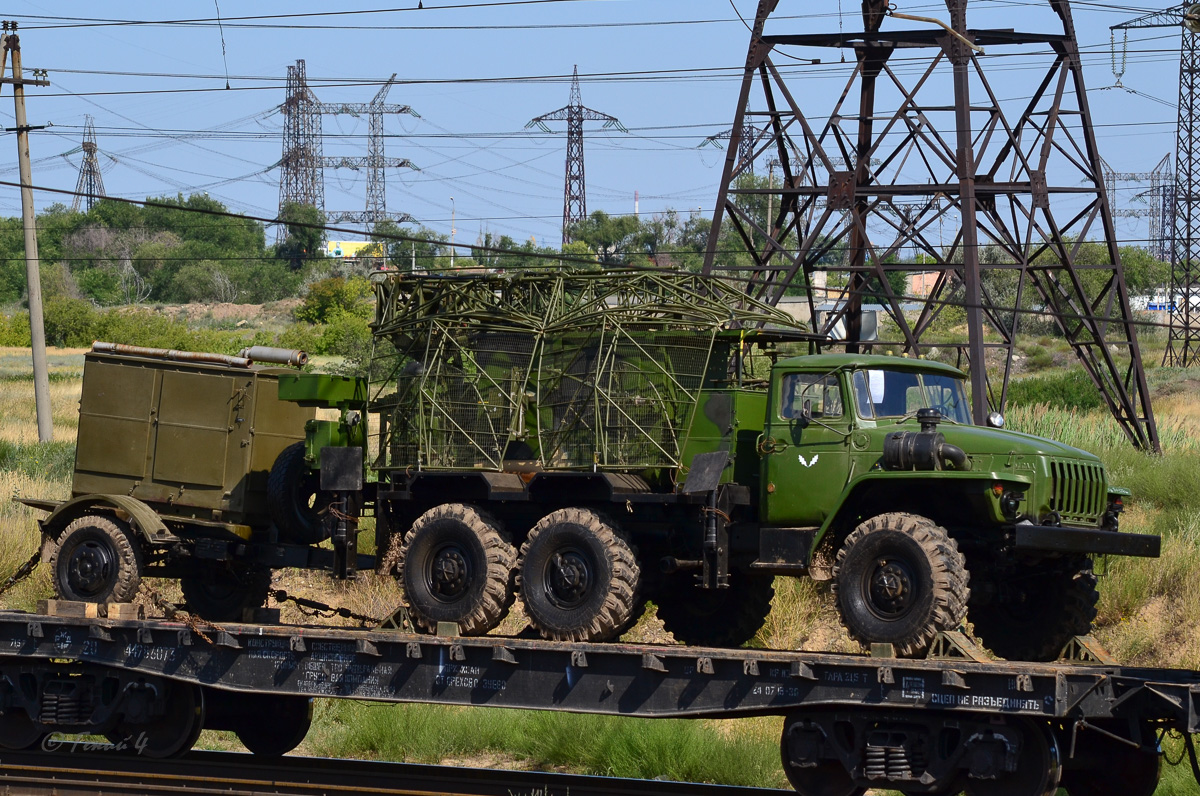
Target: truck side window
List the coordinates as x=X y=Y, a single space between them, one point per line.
x=823 y=393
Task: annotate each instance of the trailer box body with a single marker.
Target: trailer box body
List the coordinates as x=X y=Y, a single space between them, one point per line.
x=192 y=439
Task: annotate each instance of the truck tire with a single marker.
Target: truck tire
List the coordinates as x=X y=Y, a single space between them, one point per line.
x=1036 y=613
x=96 y=559
x=456 y=565
x=579 y=577
x=295 y=500
x=222 y=595
x=715 y=617
x=900 y=579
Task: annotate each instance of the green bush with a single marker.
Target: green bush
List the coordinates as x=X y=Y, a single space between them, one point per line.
x=328 y=296
x=69 y=322
x=53 y=460
x=14 y=330
x=1070 y=389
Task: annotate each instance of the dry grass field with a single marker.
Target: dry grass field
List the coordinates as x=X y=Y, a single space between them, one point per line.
x=1150 y=609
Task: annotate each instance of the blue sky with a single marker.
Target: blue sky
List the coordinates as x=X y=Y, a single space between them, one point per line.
x=187 y=133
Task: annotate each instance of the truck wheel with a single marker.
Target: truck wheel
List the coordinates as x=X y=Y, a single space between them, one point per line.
x=900 y=579
x=715 y=617
x=1035 y=614
x=579 y=577
x=457 y=566
x=96 y=560
x=294 y=498
x=222 y=595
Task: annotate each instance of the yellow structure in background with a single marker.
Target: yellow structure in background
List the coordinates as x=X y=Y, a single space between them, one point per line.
x=345 y=248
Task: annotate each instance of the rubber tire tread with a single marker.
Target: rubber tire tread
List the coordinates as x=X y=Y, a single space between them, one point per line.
x=735 y=620
x=1065 y=614
x=255 y=586
x=616 y=612
x=297 y=523
x=498 y=594
x=948 y=570
x=129 y=558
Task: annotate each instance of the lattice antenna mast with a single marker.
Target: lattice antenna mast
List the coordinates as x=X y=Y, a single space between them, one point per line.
x=301 y=180
x=90 y=186
x=574 y=188
x=376 y=162
x=1004 y=176
x=1183 y=336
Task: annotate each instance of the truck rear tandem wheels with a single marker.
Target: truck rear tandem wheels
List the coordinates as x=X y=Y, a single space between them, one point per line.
x=851 y=722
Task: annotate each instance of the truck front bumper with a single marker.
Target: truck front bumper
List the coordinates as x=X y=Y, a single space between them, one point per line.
x=1057 y=539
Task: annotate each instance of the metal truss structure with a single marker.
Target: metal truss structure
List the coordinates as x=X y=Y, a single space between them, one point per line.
x=1016 y=190
x=571 y=370
x=1158 y=203
x=301 y=180
x=375 y=163
x=747 y=144
x=90 y=186
x=1183 y=341
x=574 y=188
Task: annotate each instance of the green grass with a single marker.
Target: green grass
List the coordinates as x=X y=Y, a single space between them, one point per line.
x=52 y=460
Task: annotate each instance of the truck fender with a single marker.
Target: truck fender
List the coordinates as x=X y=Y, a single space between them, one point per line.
x=144 y=521
x=856 y=486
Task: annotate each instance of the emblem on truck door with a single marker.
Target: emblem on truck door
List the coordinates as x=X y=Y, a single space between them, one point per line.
x=806 y=463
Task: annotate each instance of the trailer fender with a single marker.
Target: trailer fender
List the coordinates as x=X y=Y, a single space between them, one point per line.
x=140 y=517
x=855 y=490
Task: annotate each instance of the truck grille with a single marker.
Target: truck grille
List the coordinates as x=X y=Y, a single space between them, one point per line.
x=1079 y=492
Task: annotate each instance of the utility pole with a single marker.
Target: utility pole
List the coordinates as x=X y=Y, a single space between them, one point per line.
x=37 y=329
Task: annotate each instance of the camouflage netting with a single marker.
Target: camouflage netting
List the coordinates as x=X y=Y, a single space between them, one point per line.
x=568 y=370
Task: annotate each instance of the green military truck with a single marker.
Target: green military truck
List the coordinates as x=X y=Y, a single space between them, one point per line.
x=173 y=479
x=589 y=441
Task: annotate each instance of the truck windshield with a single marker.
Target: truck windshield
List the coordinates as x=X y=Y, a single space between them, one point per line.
x=883 y=393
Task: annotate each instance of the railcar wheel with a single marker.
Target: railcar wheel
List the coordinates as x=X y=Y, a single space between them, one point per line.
x=170 y=735
x=815 y=777
x=277 y=728
x=715 y=617
x=222 y=595
x=1035 y=613
x=1112 y=767
x=456 y=565
x=18 y=731
x=295 y=500
x=900 y=578
x=579 y=577
x=97 y=560
x=1038 y=767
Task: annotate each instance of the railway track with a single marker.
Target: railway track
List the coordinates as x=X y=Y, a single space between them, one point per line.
x=72 y=770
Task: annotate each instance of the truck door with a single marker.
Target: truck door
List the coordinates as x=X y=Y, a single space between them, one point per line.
x=805 y=448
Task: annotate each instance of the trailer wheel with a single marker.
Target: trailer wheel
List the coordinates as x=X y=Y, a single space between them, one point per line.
x=277 y=728
x=457 y=566
x=222 y=594
x=1035 y=612
x=900 y=579
x=579 y=577
x=1037 y=771
x=170 y=735
x=295 y=500
x=715 y=617
x=97 y=560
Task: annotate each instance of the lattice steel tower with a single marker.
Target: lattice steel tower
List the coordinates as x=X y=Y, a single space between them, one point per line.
x=1183 y=338
x=574 y=188
x=1017 y=181
x=376 y=162
x=90 y=185
x=301 y=180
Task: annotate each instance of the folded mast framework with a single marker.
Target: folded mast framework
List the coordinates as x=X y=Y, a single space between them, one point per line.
x=891 y=168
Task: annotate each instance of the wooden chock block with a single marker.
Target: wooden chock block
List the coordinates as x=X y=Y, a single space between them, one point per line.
x=126 y=611
x=68 y=608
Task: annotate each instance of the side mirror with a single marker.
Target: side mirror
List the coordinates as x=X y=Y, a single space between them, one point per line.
x=805 y=415
x=995 y=420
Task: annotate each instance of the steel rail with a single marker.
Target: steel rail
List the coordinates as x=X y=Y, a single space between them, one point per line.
x=70 y=771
